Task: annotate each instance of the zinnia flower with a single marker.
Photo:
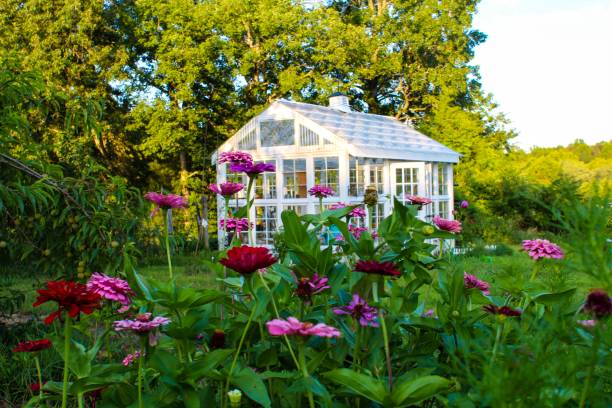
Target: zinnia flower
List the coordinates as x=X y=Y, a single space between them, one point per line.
x=293 y=327
x=113 y=289
x=598 y=303
x=165 y=201
x=252 y=169
x=141 y=324
x=247 y=259
x=71 y=297
x=542 y=248
x=379 y=268
x=452 y=226
x=321 y=191
x=504 y=310
x=357 y=231
x=357 y=212
x=217 y=340
x=32 y=346
x=471 y=281
x=235 y=224
x=360 y=311
x=465 y=204
x=130 y=358
x=235 y=157
x=226 y=189
x=308 y=287
x=416 y=200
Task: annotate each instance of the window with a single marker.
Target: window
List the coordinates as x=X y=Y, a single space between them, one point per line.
x=308 y=137
x=265 y=184
x=406 y=182
x=276 y=133
x=248 y=141
x=326 y=172
x=299 y=209
x=376 y=177
x=294 y=178
x=265 y=224
x=443 y=209
x=442 y=179
x=378 y=215
x=356 y=177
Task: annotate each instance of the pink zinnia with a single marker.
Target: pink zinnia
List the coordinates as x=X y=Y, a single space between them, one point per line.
x=321 y=191
x=165 y=201
x=359 y=309
x=416 y=200
x=141 y=324
x=130 y=358
x=293 y=327
x=252 y=169
x=235 y=157
x=452 y=226
x=542 y=248
x=357 y=212
x=226 y=189
x=471 y=281
x=356 y=231
x=236 y=224
x=308 y=287
x=110 y=288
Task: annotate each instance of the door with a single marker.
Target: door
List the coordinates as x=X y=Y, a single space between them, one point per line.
x=408 y=179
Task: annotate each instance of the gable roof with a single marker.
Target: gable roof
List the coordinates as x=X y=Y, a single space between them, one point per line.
x=370 y=135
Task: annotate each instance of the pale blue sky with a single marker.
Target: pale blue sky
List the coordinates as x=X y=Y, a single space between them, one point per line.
x=548 y=64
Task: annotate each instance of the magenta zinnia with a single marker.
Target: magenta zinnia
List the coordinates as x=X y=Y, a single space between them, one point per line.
x=452 y=226
x=246 y=259
x=293 y=327
x=143 y=323
x=542 y=248
x=165 y=201
x=359 y=309
x=416 y=200
x=357 y=212
x=308 y=287
x=321 y=191
x=114 y=289
x=235 y=157
x=235 y=224
x=471 y=281
x=378 y=268
x=226 y=189
x=252 y=169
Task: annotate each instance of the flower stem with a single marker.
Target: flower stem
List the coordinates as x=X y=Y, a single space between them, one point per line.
x=357 y=348
x=383 y=326
x=80 y=402
x=500 y=327
x=140 y=358
x=587 y=383
x=167 y=236
x=40 y=384
x=248 y=209
x=304 y=369
x=320 y=205
x=67 y=336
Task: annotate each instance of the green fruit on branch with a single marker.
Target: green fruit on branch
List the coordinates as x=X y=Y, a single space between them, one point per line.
x=3 y=244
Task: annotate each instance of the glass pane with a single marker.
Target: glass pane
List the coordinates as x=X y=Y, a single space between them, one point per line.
x=276 y=133
x=398 y=176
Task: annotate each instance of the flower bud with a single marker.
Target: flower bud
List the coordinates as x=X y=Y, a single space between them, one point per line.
x=217 y=340
x=427 y=230
x=455 y=313
x=370 y=197
x=234 y=396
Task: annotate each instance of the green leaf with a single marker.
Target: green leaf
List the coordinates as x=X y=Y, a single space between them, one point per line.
x=418 y=389
x=550 y=299
x=362 y=384
x=252 y=385
x=204 y=366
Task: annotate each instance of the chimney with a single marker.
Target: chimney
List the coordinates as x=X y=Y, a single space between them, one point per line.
x=339 y=101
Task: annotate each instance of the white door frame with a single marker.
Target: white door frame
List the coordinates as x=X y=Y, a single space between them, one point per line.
x=408 y=183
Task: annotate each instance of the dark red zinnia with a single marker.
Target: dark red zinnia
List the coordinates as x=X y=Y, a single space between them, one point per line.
x=246 y=259
x=71 y=297
x=503 y=310
x=598 y=303
x=32 y=346
x=35 y=387
x=378 y=268
x=217 y=340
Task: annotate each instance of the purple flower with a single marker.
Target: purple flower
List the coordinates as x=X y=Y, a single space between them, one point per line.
x=360 y=311
x=114 y=289
x=452 y=226
x=357 y=212
x=430 y=313
x=252 y=169
x=471 y=281
x=598 y=303
x=130 y=358
x=235 y=224
x=226 y=189
x=320 y=191
x=141 y=324
x=308 y=287
x=503 y=311
x=165 y=201
x=293 y=327
x=465 y=204
x=235 y=157
x=416 y=200
x=542 y=248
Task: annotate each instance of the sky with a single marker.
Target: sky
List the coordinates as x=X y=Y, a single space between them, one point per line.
x=548 y=64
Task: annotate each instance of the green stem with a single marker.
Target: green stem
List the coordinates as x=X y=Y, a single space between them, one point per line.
x=248 y=209
x=357 y=346
x=80 y=402
x=500 y=327
x=304 y=369
x=140 y=405
x=40 y=384
x=441 y=248
x=370 y=211
x=587 y=383
x=383 y=326
x=167 y=234
x=320 y=205
x=67 y=337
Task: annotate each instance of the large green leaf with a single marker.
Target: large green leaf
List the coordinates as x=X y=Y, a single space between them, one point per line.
x=252 y=385
x=550 y=299
x=202 y=367
x=361 y=384
x=414 y=390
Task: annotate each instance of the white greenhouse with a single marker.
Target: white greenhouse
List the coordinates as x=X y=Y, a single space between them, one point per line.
x=340 y=148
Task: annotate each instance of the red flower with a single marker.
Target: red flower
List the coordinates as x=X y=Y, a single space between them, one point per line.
x=246 y=259
x=71 y=297
x=35 y=387
x=32 y=346
x=217 y=340
x=504 y=310
x=379 y=268
x=598 y=303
